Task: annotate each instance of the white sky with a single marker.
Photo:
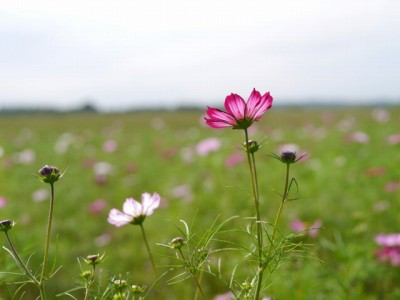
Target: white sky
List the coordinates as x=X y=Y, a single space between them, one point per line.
x=160 y=52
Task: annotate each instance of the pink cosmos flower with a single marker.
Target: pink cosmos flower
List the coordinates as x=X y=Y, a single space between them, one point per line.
x=358 y=137
x=388 y=240
x=110 y=146
x=3 y=202
x=239 y=114
x=133 y=211
x=226 y=296
x=390 y=251
x=392 y=186
x=207 y=146
x=97 y=206
x=393 y=139
x=234 y=159
x=311 y=230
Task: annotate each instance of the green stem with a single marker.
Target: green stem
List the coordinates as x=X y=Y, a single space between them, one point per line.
x=47 y=243
x=279 y=213
x=148 y=250
x=193 y=274
x=21 y=263
x=254 y=185
x=90 y=282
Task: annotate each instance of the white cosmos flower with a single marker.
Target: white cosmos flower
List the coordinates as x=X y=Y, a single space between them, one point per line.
x=134 y=212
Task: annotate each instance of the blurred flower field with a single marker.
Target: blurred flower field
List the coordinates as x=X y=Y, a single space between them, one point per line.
x=348 y=194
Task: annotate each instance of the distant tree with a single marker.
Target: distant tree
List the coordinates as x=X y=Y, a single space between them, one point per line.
x=88 y=108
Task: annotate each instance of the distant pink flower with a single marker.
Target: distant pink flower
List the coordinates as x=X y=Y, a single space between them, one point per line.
x=234 y=159
x=102 y=168
x=392 y=186
x=133 y=211
x=3 y=202
x=110 y=146
x=239 y=114
x=101 y=171
x=183 y=191
x=311 y=230
x=103 y=239
x=25 y=157
x=97 y=206
x=226 y=296
x=288 y=148
x=381 y=115
x=207 y=146
x=358 y=137
x=394 y=139
x=390 y=255
x=390 y=251
x=40 y=195
x=388 y=240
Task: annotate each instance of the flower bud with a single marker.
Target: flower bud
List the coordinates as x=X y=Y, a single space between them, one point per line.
x=137 y=289
x=86 y=274
x=6 y=225
x=49 y=174
x=246 y=286
x=288 y=157
x=119 y=296
x=94 y=259
x=177 y=242
x=120 y=285
x=252 y=146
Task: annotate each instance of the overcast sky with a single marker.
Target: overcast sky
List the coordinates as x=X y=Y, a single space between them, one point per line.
x=159 y=52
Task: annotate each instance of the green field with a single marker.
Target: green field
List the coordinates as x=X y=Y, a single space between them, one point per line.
x=349 y=180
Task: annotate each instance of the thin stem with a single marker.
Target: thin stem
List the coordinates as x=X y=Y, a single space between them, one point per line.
x=47 y=243
x=90 y=282
x=254 y=185
x=199 y=285
x=279 y=213
x=148 y=250
x=194 y=277
x=21 y=263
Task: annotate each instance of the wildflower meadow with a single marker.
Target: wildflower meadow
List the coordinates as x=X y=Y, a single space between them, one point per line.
x=247 y=200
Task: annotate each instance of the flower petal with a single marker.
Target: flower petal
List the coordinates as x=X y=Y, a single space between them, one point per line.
x=132 y=207
x=118 y=218
x=218 y=118
x=252 y=104
x=264 y=104
x=150 y=203
x=235 y=106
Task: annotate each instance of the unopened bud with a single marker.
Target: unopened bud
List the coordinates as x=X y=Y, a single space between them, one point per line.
x=6 y=225
x=288 y=157
x=246 y=286
x=49 y=174
x=94 y=259
x=177 y=242
x=120 y=285
x=86 y=274
x=252 y=146
x=137 y=289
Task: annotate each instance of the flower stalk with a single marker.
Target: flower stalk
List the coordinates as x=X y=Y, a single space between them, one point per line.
x=27 y=272
x=47 y=242
x=193 y=274
x=280 y=209
x=148 y=251
x=254 y=184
